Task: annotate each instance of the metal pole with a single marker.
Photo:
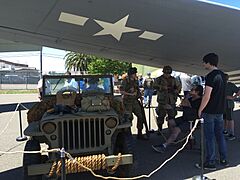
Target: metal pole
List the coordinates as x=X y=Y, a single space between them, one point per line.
x=1 y=82
x=21 y=137
x=20 y=120
x=149 y=114
x=191 y=139
x=41 y=72
x=202 y=147
x=63 y=170
x=27 y=79
x=201 y=176
x=149 y=117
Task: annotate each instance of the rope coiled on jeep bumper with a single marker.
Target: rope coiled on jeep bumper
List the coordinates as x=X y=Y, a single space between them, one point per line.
x=82 y=164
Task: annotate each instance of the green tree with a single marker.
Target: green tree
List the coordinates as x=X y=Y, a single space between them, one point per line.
x=94 y=65
x=105 y=66
x=77 y=61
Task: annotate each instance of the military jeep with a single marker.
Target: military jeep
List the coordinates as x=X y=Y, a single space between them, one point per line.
x=80 y=114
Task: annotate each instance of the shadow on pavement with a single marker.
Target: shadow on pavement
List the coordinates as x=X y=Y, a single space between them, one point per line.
x=12 y=174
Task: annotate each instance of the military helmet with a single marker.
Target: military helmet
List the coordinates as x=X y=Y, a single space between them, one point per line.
x=167 y=70
x=132 y=70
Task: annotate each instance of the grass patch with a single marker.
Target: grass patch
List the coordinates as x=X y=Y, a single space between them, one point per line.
x=16 y=91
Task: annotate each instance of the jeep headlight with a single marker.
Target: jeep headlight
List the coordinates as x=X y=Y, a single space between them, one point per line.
x=49 y=128
x=111 y=122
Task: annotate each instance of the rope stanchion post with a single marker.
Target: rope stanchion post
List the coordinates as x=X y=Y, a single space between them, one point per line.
x=149 y=117
x=21 y=137
x=202 y=147
x=192 y=139
x=63 y=170
x=201 y=176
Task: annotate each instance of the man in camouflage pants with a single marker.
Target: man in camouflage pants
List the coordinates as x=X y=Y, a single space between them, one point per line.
x=131 y=93
x=168 y=89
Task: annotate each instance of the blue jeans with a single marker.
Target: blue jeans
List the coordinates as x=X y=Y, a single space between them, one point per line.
x=148 y=96
x=213 y=129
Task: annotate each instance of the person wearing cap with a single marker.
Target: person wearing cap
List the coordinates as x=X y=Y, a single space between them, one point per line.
x=148 y=89
x=70 y=82
x=131 y=93
x=168 y=89
x=232 y=92
x=47 y=88
x=92 y=85
x=140 y=80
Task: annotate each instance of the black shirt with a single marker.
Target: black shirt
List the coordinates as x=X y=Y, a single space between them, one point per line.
x=191 y=113
x=216 y=79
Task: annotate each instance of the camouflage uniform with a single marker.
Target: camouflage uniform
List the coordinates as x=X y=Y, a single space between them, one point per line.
x=168 y=89
x=131 y=103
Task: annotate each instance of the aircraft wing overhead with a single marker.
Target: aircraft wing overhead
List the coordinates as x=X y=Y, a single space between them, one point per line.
x=150 y=32
x=11 y=46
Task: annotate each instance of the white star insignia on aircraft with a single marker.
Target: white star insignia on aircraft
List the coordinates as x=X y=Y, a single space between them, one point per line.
x=115 y=29
x=150 y=35
x=72 y=19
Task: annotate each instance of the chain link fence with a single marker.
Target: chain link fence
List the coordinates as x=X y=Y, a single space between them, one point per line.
x=19 y=80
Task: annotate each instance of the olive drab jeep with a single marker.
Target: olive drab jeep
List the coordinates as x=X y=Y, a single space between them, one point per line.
x=81 y=115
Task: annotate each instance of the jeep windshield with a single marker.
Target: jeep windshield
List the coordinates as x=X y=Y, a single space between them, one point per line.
x=82 y=84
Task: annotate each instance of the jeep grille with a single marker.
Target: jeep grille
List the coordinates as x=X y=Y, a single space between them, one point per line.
x=85 y=133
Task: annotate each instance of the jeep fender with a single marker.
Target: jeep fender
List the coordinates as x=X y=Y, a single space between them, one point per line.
x=33 y=129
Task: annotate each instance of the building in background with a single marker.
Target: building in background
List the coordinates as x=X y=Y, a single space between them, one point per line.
x=7 y=65
x=17 y=75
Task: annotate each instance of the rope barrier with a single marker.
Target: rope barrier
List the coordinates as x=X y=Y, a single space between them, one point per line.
x=24 y=106
x=13 y=147
x=4 y=129
x=31 y=152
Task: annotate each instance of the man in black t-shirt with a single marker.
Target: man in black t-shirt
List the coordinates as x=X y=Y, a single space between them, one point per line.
x=182 y=124
x=212 y=109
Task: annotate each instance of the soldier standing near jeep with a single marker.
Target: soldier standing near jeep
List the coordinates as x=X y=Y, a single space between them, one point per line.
x=131 y=93
x=168 y=89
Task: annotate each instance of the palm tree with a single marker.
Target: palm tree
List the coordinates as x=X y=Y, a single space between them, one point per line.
x=77 y=61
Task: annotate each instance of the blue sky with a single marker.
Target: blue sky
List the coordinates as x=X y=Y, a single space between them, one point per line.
x=234 y=3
